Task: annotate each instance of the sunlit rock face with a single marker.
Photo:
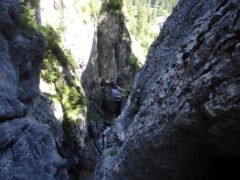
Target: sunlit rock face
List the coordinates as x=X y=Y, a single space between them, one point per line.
x=77 y=32
x=28 y=141
x=184 y=110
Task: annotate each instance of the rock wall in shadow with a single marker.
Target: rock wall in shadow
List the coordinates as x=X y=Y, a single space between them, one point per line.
x=184 y=109
x=28 y=141
x=108 y=61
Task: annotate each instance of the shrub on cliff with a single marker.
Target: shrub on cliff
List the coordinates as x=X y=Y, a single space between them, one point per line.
x=133 y=62
x=59 y=67
x=113 y=6
x=27 y=16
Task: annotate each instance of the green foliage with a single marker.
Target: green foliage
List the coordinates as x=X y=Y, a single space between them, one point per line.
x=121 y=21
x=69 y=94
x=113 y=153
x=90 y=9
x=134 y=63
x=95 y=7
x=68 y=126
x=135 y=109
x=115 y=5
x=50 y=72
x=53 y=39
x=27 y=15
x=142 y=14
x=58 y=68
x=75 y=98
x=58 y=65
x=32 y=3
x=92 y=115
x=52 y=36
x=57 y=62
x=69 y=58
x=73 y=101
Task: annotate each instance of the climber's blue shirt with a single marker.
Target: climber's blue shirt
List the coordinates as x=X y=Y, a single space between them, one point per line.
x=116 y=94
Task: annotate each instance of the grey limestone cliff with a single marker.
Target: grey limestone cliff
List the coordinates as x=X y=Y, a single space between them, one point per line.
x=108 y=62
x=184 y=110
x=181 y=119
x=28 y=141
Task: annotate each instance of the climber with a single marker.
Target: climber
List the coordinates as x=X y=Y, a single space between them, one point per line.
x=117 y=93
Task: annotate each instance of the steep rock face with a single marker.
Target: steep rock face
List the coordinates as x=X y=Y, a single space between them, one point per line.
x=107 y=39
x=99 y=53
x=184 y=109
x=77 y=37
x=28 y=148
x=108 y=62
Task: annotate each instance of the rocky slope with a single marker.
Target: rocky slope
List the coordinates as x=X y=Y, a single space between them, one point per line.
x=28 y=140
x=183 y=114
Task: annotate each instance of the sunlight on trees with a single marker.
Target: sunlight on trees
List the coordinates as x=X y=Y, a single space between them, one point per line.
x=142 y=14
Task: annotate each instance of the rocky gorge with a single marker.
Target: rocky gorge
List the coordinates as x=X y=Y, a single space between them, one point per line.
x=182 y=118
x=180 y=122
x=58 y=110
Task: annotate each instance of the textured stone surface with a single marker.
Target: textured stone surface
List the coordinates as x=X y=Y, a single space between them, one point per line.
x=28 y=151
x=42 y=111
x=29 y=135
x=91 y=79
x=184 y=108
x=108 y=62
x=11 y=108
x=107 y=39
